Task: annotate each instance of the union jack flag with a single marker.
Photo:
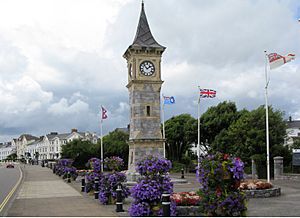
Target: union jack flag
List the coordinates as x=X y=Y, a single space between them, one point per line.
x=207 y=93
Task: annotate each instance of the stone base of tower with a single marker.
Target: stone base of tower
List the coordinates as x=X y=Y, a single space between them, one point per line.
x=138 y=150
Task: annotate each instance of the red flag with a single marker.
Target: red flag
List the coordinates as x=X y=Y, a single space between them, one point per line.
x=104 y=115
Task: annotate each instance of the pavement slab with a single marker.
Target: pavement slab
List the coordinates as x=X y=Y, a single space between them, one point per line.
x=46 y=189
x=44 y=194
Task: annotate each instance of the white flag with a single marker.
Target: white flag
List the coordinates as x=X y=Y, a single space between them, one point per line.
x=277 y=60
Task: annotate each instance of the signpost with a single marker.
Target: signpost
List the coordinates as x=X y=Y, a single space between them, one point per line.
x=296 y=157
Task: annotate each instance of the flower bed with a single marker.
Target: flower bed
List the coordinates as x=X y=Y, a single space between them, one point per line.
x=255 y=185
x=186 y=199
x=259 y=189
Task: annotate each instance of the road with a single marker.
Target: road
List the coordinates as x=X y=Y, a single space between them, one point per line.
x=9 y=177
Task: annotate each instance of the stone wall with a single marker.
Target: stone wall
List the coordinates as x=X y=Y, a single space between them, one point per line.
x=189 y=211
x=264 y=193
x=289 y=176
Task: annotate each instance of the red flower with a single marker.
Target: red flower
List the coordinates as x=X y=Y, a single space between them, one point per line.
x=218 y=191
x=226 y=156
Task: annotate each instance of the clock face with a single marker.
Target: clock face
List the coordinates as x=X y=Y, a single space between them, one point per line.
x=147 y=68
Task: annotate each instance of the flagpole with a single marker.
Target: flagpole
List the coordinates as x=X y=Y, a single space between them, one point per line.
x=164 y=133
x=101 y=140
x=198 y=145
x=267 y=119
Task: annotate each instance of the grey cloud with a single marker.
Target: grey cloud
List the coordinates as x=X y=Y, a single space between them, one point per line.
x=215 y=44
x=12 y=62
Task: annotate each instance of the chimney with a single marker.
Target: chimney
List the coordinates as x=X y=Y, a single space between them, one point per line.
x=53 y=133
x=290 y=118
x=73 y=130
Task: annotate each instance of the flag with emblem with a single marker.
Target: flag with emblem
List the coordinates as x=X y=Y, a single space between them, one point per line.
x=104 y=111
x=276 y=60
x=169 y=100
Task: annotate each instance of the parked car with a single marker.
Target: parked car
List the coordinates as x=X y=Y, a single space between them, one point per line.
x=10 y=166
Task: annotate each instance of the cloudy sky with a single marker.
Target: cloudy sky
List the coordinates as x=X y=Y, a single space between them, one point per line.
x=61 y=59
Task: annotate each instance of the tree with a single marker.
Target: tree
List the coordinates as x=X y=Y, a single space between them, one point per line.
x=296 y=144
x=116 y=144
x=246 y=137
x=80 y=151
x=181 y=133
x=12 y=157
x=216 y=120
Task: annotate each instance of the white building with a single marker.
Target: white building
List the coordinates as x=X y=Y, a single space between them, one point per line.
x=292 y=131
x=21 y=144
x=48 y=146
x=6 y=149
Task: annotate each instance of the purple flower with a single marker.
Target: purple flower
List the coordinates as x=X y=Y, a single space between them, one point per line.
x=218 y=176
x=153 y=183
x=153 y=166
x=108 y=184
x=113 y=163
x=237 y=169
x=139 y=209
x=95 y=164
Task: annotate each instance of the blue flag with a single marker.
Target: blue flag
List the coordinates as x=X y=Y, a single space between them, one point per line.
x=169 y=100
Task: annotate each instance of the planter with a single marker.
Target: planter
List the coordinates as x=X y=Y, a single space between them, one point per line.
x=263 y=193
x=189 y=211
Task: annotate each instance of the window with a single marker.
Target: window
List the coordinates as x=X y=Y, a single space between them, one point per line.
x=148 y=111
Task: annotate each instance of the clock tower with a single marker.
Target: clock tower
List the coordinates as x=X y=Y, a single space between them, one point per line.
x=144 y=84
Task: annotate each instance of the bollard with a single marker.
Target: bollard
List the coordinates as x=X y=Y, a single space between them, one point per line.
x=82 y=184
x=119 y=202
x=96 y=192
x=166 y=204
x=69 y=177
x=53 y=169
x=182 y=173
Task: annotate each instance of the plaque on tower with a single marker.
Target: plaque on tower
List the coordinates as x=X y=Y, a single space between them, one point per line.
x=144 y=84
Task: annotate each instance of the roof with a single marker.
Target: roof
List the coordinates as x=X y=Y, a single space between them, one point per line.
x=125 y=130
x=293 y=124
x=143 y=36
x=5 y=145
x=35 y=142
x=60 y=136
x=63 y=135
x=29 y=137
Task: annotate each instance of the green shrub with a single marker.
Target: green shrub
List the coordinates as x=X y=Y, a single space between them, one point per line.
x=176 y=167
x=248 y=170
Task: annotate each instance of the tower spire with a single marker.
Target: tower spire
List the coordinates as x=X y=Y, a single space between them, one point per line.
x=143 y=36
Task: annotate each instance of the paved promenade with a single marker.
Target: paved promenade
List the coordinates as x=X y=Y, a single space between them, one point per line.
x=44 y=194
